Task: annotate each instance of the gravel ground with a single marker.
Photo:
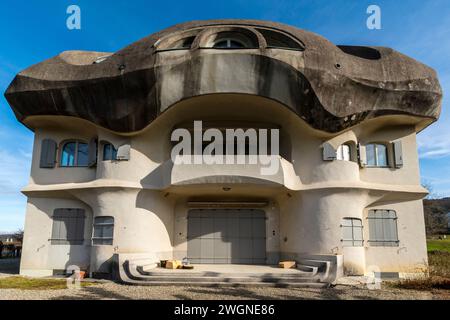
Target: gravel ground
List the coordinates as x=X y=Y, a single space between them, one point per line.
x=347 y=288
x=116 y=291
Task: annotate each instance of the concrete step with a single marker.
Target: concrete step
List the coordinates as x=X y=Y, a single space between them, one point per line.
x=225 y=279
x=318 y=285
x=189 y=273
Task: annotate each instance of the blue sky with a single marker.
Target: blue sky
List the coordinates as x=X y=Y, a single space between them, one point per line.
x=34 y=30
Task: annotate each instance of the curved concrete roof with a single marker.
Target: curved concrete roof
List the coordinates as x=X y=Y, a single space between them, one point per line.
x=330 y=87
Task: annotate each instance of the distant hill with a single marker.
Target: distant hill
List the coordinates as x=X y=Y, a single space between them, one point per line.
x=436 y=216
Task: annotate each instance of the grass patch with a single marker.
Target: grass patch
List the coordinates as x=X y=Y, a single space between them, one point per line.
x=439 y=264
x=24 y=283
x=438 y=245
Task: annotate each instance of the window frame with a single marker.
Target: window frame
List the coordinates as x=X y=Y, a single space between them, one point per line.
x=113 y=151
x=102 y=238
x=228 y=40
x=75 y=161
x=354 y=242
x=383 y=242
x=340 y=152
x=377 y=165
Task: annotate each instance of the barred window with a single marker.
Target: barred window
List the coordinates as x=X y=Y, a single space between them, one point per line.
x=352 y=235
x=103 y=231
x=68 y=226
x=383 y=228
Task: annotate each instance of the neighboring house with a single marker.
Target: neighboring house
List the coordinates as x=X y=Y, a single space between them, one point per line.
x=103 y=182
x=11 y=245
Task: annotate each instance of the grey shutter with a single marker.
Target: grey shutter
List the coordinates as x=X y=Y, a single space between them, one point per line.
x=329 y=153
x=398 y=154
x=68 y=226
x=48 y=154
x=123 y=152
x=92 y=152
x=362 y=155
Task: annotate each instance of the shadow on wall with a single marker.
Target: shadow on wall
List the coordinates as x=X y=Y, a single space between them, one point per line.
x=154 y=203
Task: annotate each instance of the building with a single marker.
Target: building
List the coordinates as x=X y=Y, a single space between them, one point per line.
x=104 y=184
x=10 y=245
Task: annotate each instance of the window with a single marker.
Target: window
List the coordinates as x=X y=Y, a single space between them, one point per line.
x=68 y=226
x=75 y=154
x=376 y=155
x=184 y=43
x=229 y=44
x=383 y=228
x=343 y=152
x=103 y=231
x=279 y=40
x=352 y=235
x=109 y=152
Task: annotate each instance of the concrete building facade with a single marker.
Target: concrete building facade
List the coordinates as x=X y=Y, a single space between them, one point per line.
x=103 y=181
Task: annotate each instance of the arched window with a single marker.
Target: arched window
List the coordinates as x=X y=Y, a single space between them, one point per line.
x=376 y=154
x=234 y=38
x=279 y=40
x=75 y=154
x=184 y=43
x=343 y=152
x=109 y=152
x=229 y=44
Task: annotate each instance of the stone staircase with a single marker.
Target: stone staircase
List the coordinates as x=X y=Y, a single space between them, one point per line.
x=143 y=271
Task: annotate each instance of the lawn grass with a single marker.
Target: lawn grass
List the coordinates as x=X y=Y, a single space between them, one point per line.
x=438 y=245
x=24 y=283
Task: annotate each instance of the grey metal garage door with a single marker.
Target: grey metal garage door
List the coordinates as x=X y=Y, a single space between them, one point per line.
x=227 y=236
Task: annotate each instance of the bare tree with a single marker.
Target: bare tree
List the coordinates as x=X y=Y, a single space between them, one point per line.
x=18 y=235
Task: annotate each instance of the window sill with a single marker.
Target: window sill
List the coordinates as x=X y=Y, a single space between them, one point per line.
x=74 y=167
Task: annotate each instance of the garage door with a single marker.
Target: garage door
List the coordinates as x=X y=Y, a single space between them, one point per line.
x=227 y=236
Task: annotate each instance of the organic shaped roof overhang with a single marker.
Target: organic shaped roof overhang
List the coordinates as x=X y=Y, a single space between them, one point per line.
x=330 y=87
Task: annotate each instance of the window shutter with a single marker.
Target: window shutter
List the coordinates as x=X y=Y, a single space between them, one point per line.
x=329 y=153
x=48 y=154
x=398 y=154
x=68 y=226
x=123 y=152
x=362 y=155
x=92 y=152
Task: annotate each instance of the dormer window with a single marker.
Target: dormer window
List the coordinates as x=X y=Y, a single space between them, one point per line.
x=229 y=44
x=184 y=43
x=75 y=154
x=234 y=38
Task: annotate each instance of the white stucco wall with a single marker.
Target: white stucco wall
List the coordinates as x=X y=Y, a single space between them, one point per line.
x=308 y=196
x=39 y=256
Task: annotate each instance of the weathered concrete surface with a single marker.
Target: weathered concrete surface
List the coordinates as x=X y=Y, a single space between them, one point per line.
x=331 y=87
